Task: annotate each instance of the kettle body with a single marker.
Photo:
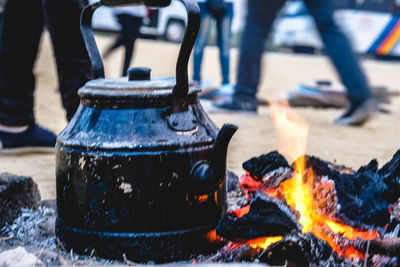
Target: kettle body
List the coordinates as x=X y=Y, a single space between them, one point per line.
x=124 y=167
x=140 y=169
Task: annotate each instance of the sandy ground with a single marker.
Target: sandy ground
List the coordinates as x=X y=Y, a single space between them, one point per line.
x=378 y=139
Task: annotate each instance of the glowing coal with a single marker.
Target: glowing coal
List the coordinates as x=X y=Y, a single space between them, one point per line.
x=342 y=208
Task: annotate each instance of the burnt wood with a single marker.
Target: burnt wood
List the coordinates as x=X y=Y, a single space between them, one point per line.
x=266 y=217
x=301 y=250
x=363 y=196
x=260 y=166
x=389 y=247
x=16 y=192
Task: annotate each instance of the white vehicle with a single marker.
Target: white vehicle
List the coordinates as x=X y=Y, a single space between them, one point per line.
x=168 y=23
x=371 y=28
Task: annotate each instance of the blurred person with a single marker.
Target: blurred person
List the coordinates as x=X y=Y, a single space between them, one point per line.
x=20 y=33
x=223 y=23
x=130 y=18
x=260 y=17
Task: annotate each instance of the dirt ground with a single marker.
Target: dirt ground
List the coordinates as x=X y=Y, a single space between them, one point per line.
x=351 y=146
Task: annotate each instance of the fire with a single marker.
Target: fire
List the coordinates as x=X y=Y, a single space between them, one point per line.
x=297 y=190
x=298 y=194
x=264 y=242
x=241 y=212
x=291 y=130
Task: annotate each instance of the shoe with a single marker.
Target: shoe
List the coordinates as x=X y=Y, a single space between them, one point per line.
x=34 y=139
x=238 y=104
x=203 y=84
x=226 y=90
x=358 y=115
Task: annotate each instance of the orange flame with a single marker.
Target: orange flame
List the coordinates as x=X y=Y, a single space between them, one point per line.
x=291 y=130
x=298 y=194
x=298 y=190
x=241 y=212
x=264 y=242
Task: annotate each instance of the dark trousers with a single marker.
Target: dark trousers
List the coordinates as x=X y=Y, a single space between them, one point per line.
x=223 y=40
x=21 y=29
x=130 y=26
x=261 y=15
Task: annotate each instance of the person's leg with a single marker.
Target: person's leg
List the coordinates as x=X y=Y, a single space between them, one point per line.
x=201 y=41
x=260 y=17
x=22 y=26
x=338 y=48
x=21 y=29
x=224 y=41
x=131 y=33
x=119 y=40
x=73 y=64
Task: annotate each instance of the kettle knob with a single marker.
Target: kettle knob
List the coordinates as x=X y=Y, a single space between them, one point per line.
x=139 y=74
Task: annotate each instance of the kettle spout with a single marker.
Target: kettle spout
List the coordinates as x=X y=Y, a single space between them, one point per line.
x=210 y=176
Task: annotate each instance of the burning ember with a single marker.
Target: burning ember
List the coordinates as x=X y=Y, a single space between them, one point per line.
x=305 y=198
x=264 y=242
x=299 y=191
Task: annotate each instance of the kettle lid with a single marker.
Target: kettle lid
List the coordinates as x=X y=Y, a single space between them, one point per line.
x=123 y=87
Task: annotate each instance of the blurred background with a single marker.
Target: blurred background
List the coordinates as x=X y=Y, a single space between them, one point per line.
x=365 y=22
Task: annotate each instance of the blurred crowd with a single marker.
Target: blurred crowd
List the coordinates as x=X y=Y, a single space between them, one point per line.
x=18 y=52
x=259 y=20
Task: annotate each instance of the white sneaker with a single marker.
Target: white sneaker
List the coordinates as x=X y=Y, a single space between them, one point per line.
x=359 y=115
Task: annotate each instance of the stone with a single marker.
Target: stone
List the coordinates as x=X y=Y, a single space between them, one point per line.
x=16 y=192
x=49 y=257
x=18 y=257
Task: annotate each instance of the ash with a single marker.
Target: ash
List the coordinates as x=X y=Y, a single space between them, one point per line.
x=236 y=200
x=35 y=231
x=32 y=228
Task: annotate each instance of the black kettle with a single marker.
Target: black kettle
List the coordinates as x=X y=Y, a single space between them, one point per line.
x=141 y=167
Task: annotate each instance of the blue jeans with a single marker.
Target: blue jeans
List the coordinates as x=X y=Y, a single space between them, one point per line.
x=223 y=40
x=21 y=30
x=260 y=17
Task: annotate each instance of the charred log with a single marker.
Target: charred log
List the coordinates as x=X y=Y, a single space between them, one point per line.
x=260 y=166
x=266 y=217
x=303 y=249
x=393 y=228
x=16 y=192
x=391 y=173
x=392 y=168
x=371 y=166
x=389 y=247
x=383 y=246
x=363 y=196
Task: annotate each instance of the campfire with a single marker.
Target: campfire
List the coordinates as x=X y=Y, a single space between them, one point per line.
x=308 y=213
x=294 y=209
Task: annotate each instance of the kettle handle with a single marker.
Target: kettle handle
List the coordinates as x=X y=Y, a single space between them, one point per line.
x=193 y=24
x=88 y=38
